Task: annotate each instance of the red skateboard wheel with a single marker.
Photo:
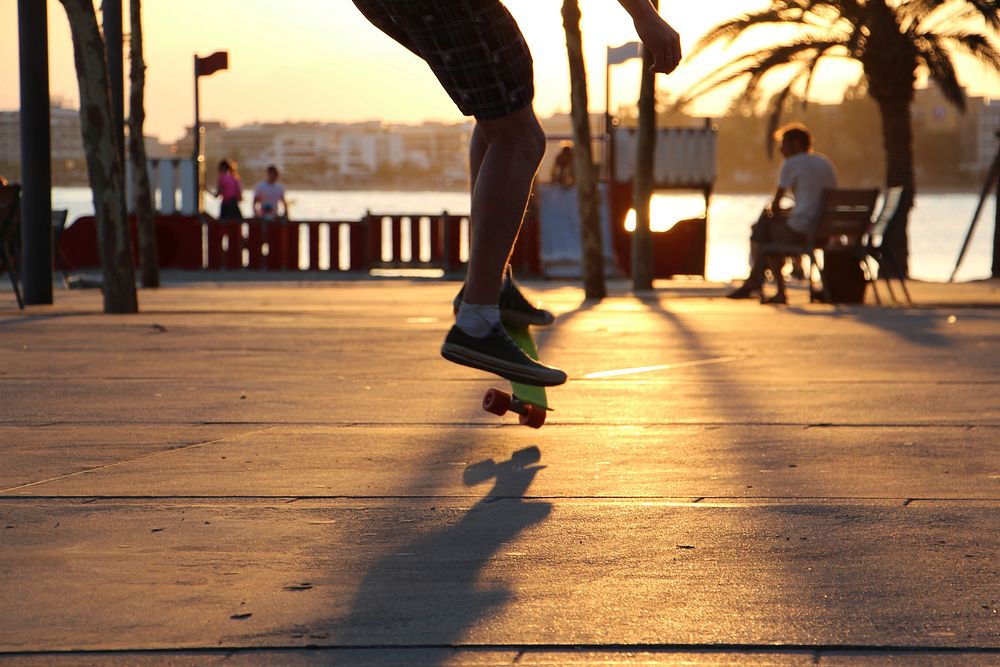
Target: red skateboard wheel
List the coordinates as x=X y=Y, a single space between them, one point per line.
x=532 y=416
x=496 y=401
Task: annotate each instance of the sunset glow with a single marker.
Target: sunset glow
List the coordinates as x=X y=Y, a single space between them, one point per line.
x=321 y=60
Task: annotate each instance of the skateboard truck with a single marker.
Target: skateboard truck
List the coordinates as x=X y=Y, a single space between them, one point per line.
x=499 y=402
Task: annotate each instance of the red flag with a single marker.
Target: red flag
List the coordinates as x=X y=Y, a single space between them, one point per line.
x=211 y=64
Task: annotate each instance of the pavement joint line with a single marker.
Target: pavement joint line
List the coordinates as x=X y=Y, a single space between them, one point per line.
x=484 y=425
x=162 y=452
x=672 y=500
x=809 y=649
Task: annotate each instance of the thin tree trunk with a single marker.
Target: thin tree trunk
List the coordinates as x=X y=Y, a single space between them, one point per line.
x=642 y=188
x=890 y=64
x=104 y=166
x=898 y=137
x=583 y=160
x=145 y=221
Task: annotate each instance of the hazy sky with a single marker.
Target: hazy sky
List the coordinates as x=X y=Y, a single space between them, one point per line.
x=321 y=60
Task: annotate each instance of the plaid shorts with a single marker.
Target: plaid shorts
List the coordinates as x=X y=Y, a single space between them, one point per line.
x=474 y=48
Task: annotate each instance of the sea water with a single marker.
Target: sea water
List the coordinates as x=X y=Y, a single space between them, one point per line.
x=938 y=222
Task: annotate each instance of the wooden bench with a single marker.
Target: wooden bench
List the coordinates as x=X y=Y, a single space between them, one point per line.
x=843 y=221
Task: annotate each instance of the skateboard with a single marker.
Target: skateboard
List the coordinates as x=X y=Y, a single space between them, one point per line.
x=527 y=400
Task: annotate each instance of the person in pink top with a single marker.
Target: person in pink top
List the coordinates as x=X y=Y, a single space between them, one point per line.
x=230 y=190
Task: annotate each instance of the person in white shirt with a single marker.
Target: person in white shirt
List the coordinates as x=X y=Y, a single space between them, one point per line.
x=267 y=195
x=804 y=175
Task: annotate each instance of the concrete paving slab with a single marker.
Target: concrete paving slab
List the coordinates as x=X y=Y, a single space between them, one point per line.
x=119 y=575
x=458 y=657
x=583 y=461
x=32 y=454
x=700 y=441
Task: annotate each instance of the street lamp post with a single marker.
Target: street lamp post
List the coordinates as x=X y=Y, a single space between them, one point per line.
x=36 y=144
x=203 y=67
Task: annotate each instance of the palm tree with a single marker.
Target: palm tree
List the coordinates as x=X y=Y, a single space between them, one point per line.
x=145 y=219
x=893 y=40
x=583 y=161
x=104 y=165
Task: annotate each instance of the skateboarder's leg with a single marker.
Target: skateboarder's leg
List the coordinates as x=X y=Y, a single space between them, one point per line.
x=514 y=148
x=515 y=309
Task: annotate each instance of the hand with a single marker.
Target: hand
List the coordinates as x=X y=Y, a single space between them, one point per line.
x=661 y=40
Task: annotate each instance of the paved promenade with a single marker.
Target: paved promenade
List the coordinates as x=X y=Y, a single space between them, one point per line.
x=251 y=473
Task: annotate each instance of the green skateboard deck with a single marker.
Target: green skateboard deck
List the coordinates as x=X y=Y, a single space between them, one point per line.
x=527 y=400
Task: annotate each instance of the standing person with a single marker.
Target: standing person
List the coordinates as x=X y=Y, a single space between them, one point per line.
x=478 y=54
x=267 y=195
x=230 y=190
x=804 y=174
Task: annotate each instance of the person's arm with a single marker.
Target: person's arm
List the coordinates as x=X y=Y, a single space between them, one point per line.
x=656 y=34
x=256 y=203
x=775 y=206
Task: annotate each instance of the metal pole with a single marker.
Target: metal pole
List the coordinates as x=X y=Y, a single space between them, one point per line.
x=112 y=12
x=36 y=149
x=197 y=112
x=199 y=162
x=995 y=271
x=608 y=164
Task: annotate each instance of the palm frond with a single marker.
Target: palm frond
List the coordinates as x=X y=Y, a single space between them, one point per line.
x=727 y=31
x=811 y=73
x=989 y=10
x=916 y=11
x=757 y=65
x=942 y=71
x=974 y=44
x=953 y=15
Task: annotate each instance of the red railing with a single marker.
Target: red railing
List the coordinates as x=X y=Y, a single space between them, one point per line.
x=359 y=246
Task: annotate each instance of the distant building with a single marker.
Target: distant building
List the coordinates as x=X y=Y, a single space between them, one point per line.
x=987 y=135
x=66 y=139
x=975 y=130
x=342 y=153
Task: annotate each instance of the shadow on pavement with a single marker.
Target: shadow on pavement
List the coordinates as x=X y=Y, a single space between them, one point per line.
x=434 y=589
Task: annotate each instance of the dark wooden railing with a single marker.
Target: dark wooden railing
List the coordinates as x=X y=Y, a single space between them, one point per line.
x=418 y=241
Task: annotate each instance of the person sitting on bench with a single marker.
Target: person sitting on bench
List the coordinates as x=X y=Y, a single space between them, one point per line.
x=804 y=174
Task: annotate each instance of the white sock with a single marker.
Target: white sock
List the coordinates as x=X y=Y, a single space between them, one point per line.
x=477 y=320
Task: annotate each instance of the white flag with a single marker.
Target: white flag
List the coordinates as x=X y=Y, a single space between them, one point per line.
x=619 y=54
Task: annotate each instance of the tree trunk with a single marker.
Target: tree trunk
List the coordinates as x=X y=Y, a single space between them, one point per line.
x=898 y=137
x=104 y=166
x=145 y=221
x=642 y=184
x=890 y=64
x=583 y=160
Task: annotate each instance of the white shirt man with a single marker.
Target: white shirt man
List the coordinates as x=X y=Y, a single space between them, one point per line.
x=804 y=175
x=267 y=195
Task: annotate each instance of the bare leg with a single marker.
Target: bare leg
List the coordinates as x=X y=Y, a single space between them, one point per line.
x=504 y=157
x=477 y=151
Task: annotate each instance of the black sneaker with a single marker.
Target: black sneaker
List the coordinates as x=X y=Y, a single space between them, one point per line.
x=498 y=353
x=515 y=309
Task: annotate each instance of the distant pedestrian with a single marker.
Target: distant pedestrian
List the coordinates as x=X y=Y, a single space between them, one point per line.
x=268 y=195
x=562 y=170
x=804 y=175
x=230 y=190
x=477 y=52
